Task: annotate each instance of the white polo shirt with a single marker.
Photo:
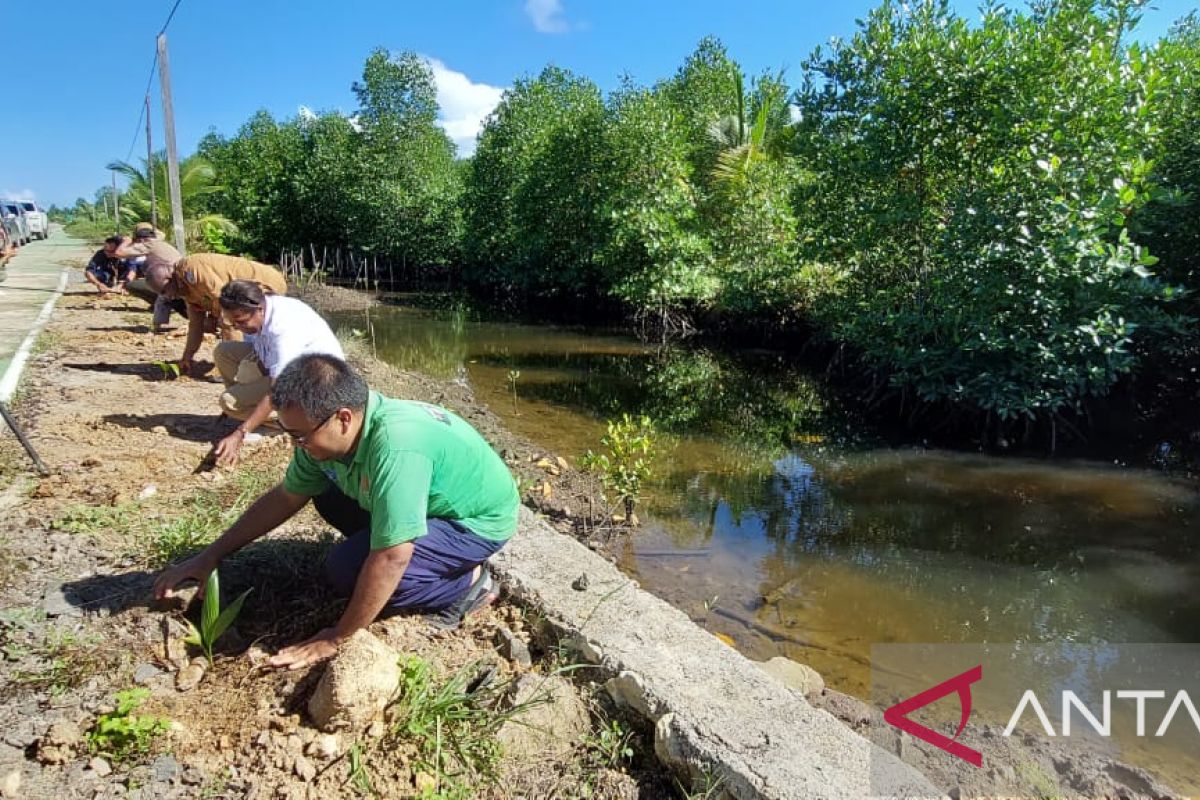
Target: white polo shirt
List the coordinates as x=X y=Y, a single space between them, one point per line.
x=291 y=329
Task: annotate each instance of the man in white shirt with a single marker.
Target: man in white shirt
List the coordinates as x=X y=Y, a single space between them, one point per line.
x=277 y=330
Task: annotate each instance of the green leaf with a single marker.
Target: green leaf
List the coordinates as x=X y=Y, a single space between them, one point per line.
x=227 y=616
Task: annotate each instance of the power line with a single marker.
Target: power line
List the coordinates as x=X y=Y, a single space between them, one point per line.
x=137 y=130
x=170 y=17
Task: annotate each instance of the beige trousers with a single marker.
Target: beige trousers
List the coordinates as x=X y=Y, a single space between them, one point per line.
x=245 y=382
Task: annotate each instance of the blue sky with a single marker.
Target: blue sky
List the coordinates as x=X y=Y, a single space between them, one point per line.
x=80 y=70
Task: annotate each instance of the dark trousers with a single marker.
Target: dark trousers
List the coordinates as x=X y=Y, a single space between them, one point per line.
x=439 y=572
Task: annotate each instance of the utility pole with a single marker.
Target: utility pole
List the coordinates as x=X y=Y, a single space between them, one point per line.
x=116 y=205
x=164 y=79
x=150 y=168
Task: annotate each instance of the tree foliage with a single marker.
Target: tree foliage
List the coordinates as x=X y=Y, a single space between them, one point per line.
x=976 y=190
x=381 y=181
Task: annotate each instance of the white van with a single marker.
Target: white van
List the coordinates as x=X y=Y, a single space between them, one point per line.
x=39 y=222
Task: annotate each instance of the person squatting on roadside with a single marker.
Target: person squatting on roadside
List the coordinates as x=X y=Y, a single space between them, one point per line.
x=277 y=330
x=107 y=271
x=420 y=496
x=198 y=280
x=134 y=252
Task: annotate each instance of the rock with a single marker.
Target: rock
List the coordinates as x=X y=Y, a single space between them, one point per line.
x=357 y=684
x=165 y=768
x=147 y=492
x=325 y=747
x=304 y=769
x=101 y=767
x=10 y=784
x=580 y=584
x=799 y=677
x=513 y=647
x=628 y=690
x=144 y=673
x=190 y=676
x=159 y=429
x=59 y=744
x=56 y=604
x=549 y=720
x=21 y=734
x=192 y=777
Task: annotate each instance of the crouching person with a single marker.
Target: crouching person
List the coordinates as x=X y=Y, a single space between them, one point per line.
x=279 y=329
x=420 y=496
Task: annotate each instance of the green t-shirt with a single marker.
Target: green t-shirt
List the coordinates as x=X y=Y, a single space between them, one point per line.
x=416 y=461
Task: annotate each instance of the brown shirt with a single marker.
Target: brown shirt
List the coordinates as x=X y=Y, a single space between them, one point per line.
x=202 y=277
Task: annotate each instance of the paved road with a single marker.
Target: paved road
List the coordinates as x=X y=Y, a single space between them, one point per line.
x=33 y=275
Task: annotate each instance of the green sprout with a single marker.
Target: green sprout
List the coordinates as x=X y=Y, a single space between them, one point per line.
x=213 y=621
x=168 y=369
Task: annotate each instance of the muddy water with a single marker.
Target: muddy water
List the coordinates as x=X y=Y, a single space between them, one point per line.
x=773 y=519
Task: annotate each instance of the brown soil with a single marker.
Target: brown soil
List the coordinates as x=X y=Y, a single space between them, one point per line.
x=127 y=444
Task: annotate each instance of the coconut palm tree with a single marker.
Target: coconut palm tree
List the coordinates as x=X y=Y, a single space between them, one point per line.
x=197 y=179
x=757 y=131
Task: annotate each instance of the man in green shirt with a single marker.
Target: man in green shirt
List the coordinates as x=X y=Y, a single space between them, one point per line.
x=421 y=497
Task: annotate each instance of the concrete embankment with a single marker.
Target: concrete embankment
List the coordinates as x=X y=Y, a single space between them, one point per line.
x=717 y=716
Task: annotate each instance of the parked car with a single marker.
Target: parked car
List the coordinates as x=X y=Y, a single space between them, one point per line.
x=15 y=222
x=39 y=222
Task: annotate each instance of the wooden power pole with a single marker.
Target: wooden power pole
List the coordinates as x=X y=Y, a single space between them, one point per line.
x=164 y=79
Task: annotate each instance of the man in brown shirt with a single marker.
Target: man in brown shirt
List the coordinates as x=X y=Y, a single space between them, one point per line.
x=198 y=280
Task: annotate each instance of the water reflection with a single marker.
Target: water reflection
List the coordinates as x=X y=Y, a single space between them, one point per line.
x=776 y=519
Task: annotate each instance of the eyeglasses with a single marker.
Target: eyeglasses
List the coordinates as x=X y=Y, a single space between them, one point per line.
x=301 y=439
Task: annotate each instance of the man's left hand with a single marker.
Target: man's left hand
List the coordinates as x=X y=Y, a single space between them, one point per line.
x=320 y=647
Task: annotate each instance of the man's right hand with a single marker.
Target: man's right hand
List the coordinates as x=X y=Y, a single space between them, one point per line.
x=195 y=568
x=185 y=365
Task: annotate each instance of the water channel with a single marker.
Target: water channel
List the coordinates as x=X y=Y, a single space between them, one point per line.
x=777 y=520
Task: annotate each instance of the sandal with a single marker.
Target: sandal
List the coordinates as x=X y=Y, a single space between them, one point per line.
x=478 y=596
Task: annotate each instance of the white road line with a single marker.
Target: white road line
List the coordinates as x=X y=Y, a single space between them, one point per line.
x=8 y=384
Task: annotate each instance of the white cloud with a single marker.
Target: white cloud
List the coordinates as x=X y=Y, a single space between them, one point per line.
x=23 y=196
x=464 y=104
x=547 y=16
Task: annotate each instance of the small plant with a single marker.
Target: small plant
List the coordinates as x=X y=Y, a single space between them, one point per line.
x=119 y=735
x=612 y=745
x=360 y=776
x=213 y=621
x=168 y=370
x=630 y=446
x=513 y=374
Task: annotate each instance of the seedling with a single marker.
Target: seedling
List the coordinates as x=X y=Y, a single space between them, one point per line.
x=630 y=445
x=119 y=735
x=213 y=621
x=513 y=375
x=169 y=370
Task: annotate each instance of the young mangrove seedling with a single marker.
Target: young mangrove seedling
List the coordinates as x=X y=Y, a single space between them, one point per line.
x=213 y=621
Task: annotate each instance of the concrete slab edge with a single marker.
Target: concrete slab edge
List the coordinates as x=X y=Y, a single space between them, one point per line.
x=717 y=717
x=12 y=375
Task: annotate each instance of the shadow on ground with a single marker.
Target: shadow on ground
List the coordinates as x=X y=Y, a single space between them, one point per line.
x=146 y=370
x=288 y=601
x=189 y=427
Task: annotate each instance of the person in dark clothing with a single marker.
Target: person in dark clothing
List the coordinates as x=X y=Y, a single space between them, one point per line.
x=106 y=271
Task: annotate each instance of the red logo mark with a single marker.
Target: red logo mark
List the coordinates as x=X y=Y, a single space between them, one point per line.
x=898 y=715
